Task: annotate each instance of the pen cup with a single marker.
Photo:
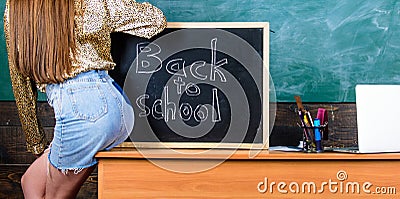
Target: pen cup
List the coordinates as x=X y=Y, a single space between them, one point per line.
x=313 y=137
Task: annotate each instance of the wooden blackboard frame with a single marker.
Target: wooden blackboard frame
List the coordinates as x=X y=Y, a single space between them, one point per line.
x=265 y=90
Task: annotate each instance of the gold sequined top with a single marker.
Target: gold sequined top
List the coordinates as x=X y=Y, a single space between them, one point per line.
x=94 y=21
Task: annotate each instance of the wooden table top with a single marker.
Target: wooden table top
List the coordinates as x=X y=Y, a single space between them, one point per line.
x=241 y=154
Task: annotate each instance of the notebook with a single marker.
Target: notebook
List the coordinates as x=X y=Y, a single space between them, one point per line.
x=378 y=119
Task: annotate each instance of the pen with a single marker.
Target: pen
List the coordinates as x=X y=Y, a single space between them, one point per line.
x=306 y=137
x=310 y=121
x=307 y=125
x=300 y=110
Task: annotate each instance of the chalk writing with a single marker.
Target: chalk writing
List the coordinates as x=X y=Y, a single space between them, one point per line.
x=148 y=62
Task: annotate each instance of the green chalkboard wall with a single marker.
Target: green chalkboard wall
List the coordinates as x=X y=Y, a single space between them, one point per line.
x=318 y=49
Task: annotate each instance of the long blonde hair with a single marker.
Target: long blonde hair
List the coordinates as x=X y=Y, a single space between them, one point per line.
x=42 y=38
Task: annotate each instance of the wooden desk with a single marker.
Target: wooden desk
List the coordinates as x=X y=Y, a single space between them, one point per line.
x=125 y=173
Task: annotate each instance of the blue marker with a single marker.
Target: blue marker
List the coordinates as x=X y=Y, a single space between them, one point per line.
x=317 y=135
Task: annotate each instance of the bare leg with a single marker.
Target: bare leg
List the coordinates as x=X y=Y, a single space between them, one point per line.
x=59 y=185
x=38 y=183
x=33 y=181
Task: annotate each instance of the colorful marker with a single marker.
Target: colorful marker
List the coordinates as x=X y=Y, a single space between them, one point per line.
x=317 y=135
x=322 y=115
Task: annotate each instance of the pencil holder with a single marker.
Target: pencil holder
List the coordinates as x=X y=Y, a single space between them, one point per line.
x=313 y=137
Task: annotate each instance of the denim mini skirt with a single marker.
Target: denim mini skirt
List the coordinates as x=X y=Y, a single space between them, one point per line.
x=92 y=114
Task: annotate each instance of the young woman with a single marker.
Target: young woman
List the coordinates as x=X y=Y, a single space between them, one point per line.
x=62 y=47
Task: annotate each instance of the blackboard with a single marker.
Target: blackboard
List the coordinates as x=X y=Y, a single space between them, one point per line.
x=319 y=49
x=197 y=84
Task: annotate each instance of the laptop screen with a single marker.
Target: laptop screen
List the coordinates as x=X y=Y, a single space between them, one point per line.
x=378 y=118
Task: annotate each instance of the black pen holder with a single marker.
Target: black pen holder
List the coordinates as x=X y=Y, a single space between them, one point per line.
x=313 y=137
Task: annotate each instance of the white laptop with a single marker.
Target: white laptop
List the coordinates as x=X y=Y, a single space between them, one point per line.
x=378 y=118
